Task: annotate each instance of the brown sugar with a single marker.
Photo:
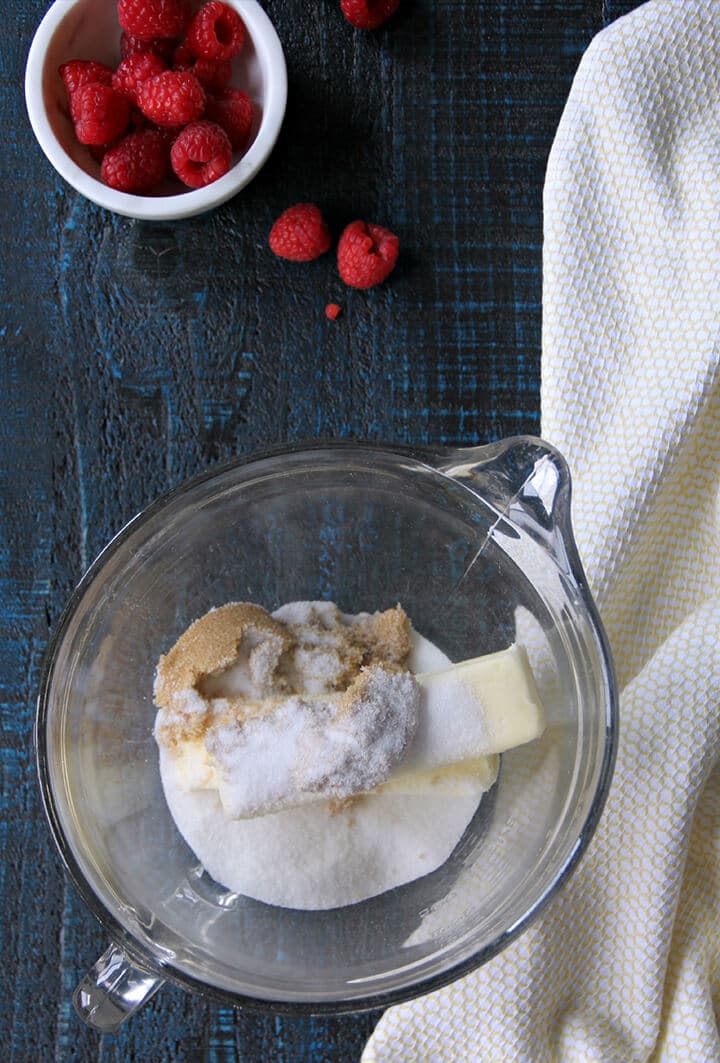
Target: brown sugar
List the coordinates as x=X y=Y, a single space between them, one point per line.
x=211 y=644
x=276 y=656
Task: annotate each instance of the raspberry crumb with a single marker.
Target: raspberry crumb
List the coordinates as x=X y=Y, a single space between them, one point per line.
x=333 y=311
x=215 y=32
x=366 y=254
x=300 y=234
x=201 y=154
x=368 y=14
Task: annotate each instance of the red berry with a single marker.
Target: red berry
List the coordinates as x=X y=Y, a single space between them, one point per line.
x=138 y=120
x=182 y=57
x=148 y=19
x=233 y=112
x=300 y=234
x=101 y=115
x=366 y=254
x=97 y=151
x=368 y=14
x=212 y=76
x=215 y=32
x=201 y=154
x=168 y=135
x=132 y=71
x=79 y=72
x=332 y=311
x=162 y=46
x=172 y=98
x=138 y=164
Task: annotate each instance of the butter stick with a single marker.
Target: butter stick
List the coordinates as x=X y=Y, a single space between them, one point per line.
x=473 y=709
x=468 y=713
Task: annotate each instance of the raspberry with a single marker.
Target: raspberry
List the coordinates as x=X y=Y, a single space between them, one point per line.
x=137 y=164
x=132 y=71
x=201 y=154
x=368 y=14
x=168 y=134
x=233 y=112
x=212 y=76
x=79 y=72
x=138 y=120
x=182 y=57
x=366 y=254
x=97 y=151
x=101 y=115
x=300 y=234
x=162 y=46
x=152 y=18
x=332 y=311
x=215 y=32
x=172 y=98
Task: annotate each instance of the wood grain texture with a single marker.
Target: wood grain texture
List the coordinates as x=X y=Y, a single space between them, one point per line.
x=136 y=354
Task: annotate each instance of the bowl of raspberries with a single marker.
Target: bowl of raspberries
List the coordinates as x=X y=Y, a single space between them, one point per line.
x=156 y=109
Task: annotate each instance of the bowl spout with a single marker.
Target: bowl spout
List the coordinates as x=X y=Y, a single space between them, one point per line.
x=527 y=481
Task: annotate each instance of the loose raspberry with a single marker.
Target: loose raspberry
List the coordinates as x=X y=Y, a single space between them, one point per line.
x=148 y=19
x=366 y=254
x=138 y=164
x=215 y=32
x=332 y=311
x=300 y=234
x=172 y=98
x=213 y=76
x=368 y=14
x=101 y=115
x=233 y=112
x=162 y=46
x=201 y=154
x=132 y=71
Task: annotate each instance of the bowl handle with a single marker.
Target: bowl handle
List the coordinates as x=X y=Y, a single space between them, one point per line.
x=113 y=990
x=527 y=482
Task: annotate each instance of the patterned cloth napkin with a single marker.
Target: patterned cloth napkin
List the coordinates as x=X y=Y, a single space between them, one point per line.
x=625 y=964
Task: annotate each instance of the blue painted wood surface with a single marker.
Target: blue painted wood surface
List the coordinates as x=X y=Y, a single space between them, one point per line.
x=134 y=355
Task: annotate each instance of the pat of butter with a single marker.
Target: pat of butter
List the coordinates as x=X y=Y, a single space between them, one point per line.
x=453 y=780
x=468 y=714
x=474 y=709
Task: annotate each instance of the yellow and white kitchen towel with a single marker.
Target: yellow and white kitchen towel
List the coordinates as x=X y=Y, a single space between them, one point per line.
x=625 y=964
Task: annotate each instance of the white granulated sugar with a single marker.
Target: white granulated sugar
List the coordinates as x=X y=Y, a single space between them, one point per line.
x=310 y=858
x=320 y=667
x=308 y=749
x=315 y=855
x=357 y=748
x=264 y=660
x=318 y=627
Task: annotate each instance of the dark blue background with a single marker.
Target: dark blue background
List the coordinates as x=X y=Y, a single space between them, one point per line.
x=136 y=354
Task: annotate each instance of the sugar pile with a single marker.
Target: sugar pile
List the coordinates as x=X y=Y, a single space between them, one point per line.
x=320 y=855
x=305 y=749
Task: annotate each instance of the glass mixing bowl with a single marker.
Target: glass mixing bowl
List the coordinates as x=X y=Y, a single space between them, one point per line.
x=476 y=545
